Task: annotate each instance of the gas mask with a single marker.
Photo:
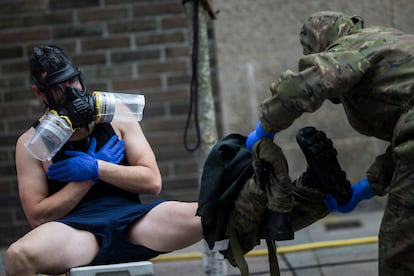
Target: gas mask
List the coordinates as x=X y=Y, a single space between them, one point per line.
x=68 y=101
x=61 y=87
x=71 y=107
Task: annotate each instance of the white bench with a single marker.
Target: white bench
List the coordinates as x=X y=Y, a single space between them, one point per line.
x=144 y=268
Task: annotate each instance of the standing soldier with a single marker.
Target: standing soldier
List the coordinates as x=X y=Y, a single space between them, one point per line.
x=370 y=71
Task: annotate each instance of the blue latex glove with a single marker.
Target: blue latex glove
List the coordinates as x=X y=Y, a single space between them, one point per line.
x=79 y=167
x=112 y=151
x=361 y=190
x=256 y=135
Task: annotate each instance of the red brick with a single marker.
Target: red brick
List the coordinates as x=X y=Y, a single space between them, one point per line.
x=11 y=52
x=161 y=39
x=158 y=8
x=135 y=55
x=121 y=85
x=105 y=43
x=133 y=26
x=89 y=59
x=162 y=67
x=55 y=18
x=103 y=14
x=72 y=4
x=177 y=51
x=24 y=35
x=85 y=30
x=174 y=23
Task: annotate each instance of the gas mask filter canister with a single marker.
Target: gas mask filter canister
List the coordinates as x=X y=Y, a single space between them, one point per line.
x=55 y=130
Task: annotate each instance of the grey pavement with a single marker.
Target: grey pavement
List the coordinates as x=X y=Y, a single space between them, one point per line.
x=342 y=260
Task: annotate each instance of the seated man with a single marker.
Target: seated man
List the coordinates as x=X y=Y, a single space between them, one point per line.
x=92 y=214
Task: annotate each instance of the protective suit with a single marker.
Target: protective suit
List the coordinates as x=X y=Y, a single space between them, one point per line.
x=371 y=72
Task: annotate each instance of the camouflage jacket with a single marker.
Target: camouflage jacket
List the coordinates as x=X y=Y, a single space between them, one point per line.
x=370 y=70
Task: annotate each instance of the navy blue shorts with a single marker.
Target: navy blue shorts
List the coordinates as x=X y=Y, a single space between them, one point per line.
x=109 y=220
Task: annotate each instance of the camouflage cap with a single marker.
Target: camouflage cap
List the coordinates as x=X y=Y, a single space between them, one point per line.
x=321 y=29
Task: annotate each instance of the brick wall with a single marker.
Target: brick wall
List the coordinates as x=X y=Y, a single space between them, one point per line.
x=121 y=45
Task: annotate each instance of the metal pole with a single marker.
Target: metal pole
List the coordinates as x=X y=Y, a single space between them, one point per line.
x=213 y=262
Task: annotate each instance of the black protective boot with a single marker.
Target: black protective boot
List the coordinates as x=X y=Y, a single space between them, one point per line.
x=276 y=226
x=323 y=172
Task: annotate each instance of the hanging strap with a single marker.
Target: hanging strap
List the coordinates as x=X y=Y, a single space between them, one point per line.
x=194 y=83
x=237 y=252
x=241 y=261
x=274 y=265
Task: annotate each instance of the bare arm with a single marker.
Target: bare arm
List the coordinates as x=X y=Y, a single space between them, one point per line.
x=142 y=175
x=38 y=206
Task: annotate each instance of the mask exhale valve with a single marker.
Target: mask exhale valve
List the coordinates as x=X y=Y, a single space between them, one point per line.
x=56 y=129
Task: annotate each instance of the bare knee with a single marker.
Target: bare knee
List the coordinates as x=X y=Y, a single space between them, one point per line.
x=19 y=259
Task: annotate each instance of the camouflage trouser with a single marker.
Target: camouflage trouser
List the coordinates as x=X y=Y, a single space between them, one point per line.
x=271 y=192
x=305 y=204
x=396 y=238
x=308 y=206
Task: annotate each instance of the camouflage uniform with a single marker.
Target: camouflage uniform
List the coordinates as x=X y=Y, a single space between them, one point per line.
x=303 y=204
x=371 y=72
x=239 y=187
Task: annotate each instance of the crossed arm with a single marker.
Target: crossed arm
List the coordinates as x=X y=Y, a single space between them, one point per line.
x=141 y=176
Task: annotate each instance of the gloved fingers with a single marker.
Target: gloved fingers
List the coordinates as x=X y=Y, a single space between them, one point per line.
x=53 y=174
x=330 y=202
x=58 y=170
x=252 y=138
x=111 y=142
x=92 y=146
x=62 y=178
x=119 y=146
x=78 y=168
x=74 y=153
x=118 y=152
x=362 y=190
x=59 y=166
x=118 y=158
x=113 y=155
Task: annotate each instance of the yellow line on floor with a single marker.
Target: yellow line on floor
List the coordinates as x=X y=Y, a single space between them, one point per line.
x=171 y=257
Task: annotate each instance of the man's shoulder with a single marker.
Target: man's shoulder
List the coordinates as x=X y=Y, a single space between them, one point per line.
x=22 y=154
x=24 y=136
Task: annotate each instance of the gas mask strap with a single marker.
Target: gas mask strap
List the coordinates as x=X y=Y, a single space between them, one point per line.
x=42 y=59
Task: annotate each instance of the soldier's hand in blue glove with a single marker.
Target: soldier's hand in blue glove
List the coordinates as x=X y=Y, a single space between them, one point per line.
x=79 y=166
x=112 y=151
x=361 y=191
x=257 y=135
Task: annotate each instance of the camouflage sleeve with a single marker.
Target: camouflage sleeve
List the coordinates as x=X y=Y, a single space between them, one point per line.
x=321 y=76
x=381 y=172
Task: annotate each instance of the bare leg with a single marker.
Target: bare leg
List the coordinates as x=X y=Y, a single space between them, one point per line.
x=170 y=226
x=51 y=248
